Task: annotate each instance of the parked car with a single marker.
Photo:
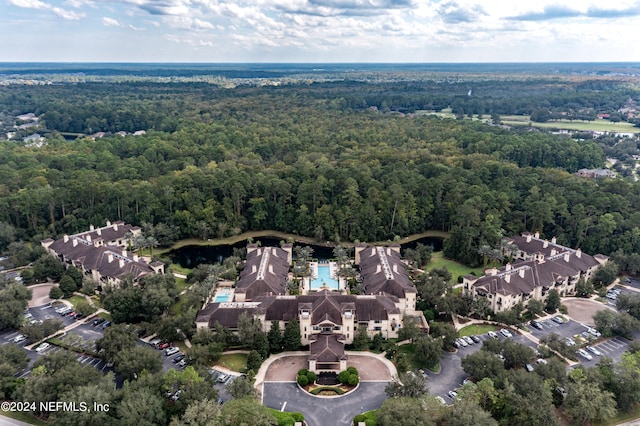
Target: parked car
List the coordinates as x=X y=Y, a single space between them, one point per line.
x=557 y=320
x=453 y=394
x=585 y=354
x=536 y=324
x=183 y=363
x=105 y=324
x=178 y=358
x=222 y=378
x=612 y=296
x=475 y=338
x=569 y=341
x=468 y=340
x=542 y=361
x=456 y=344
x=594 y=350
x=42 y=347
x=529 y=368
x=492 y=334
x=171 y=350
x=164 y=344
x=462 y=342
x=506 y=333
x=438 y=398
x=19 y=338
x=98 y=321
x=594 y=332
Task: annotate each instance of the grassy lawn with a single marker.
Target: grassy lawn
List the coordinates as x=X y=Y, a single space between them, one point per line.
x=234 y=362
x=75 y=299
x=181 y=284
x=23 y=417
x=177 y=307
x=476 y=329
x=456 y=269
x=180 y=269
x=584 y=126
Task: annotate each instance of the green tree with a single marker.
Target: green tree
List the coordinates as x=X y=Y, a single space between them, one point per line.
x=205 y=412
x=130 y=363
x=409 y=385
x=275 y=337
x=403 y=411
x=241 y=387
x=361 y=338
x=584 y=288
x=114 y=340
x=141 y=407
x=55 y=292
x=246 y=411
x=67 y=285
x=586 y=403
x=605 y=275
x=466 y=413
x=428 y=351
x=13 y=301
x=254 y=361
x=552 y=302
x=535 y=307
x=291 y=338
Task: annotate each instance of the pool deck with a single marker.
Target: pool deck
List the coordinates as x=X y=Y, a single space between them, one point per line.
x=310 y=286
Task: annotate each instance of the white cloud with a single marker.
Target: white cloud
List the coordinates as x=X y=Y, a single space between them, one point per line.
x=186 y=23
x=67 y=14
x=110 y=22
x=30 y=4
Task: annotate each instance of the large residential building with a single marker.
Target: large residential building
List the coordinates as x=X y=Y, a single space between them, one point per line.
x=101 y=253
x=328 y=317
x=540 y=266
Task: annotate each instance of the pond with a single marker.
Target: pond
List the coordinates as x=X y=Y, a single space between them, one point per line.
x=192 y=256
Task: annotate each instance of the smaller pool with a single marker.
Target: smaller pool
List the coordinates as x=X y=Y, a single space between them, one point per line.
x=222 y=297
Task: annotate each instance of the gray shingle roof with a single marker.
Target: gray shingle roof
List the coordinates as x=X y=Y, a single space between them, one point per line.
x=383 y=272
x=327 y=348
x=264 y=273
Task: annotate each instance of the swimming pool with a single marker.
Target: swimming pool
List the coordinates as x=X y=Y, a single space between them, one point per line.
x=323 y=276
x=222 y=297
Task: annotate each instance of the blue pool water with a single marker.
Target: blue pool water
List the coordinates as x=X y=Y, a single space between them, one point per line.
x=324 y=277
x=222 y=297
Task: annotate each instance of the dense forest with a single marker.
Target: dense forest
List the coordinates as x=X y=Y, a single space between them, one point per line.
x=312 y=159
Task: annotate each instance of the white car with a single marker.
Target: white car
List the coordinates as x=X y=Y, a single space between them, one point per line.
x=171 y=350
x=594 y=332
x=42 y=347
x=19 y=338
x=441 y=400
x=462 y=342
x=506 y=333
x=493 y=334
x=585 y=354
x=453 y=394
x=594 y=351
x=468 y=340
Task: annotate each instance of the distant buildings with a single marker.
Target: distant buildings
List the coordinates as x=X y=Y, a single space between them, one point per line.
x=101 y=253
x=539 y=266
x=596 y=173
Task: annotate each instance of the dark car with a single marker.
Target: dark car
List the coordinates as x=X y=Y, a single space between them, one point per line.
x=105 y=324
x=178 y=358
x=98 y=321
x=536 y=324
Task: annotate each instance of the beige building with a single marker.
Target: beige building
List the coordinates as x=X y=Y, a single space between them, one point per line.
x=328 y=319
x=540 y=266
x=101 y=253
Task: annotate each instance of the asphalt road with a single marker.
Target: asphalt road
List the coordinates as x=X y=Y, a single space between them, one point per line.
x=318 y=411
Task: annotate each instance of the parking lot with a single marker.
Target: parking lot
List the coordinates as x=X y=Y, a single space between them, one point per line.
x=567 y=329
x=452 y=375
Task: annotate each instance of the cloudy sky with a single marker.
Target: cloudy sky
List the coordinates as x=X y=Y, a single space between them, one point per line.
x=320 y=30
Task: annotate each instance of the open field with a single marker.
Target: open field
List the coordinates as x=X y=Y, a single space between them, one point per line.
x=476 y=329
x=234 y=362
x=584 y=126
x=456 y=269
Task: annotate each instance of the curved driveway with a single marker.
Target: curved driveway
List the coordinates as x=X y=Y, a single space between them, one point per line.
x=318 y=411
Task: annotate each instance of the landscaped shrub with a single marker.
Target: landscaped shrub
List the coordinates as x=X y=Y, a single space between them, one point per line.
x=316 y=391
x=311 y=376
x=285 y=418
x=353 y=379
x=303 y=380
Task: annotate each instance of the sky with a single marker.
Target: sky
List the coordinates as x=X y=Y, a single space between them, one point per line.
x=320 y=31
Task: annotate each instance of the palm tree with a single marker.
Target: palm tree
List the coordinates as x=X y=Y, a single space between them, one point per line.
x=151 y=243
x=484 y=251
x=496 y=256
